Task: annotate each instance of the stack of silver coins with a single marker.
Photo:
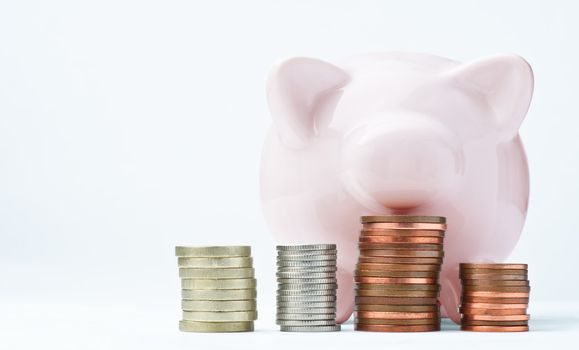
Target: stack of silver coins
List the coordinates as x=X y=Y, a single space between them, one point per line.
x=218 y=289
x=306 y=294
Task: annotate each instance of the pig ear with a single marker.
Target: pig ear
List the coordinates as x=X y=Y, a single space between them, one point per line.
x=505 y=82
x=294 y=90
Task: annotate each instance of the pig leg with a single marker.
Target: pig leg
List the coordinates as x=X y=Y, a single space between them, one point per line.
x=345 y=294
x=449 y=297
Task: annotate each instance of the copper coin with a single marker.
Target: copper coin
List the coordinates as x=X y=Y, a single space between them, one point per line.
x=428 y=287
x=403 y=218
x=396 y=315
x=409 y=253
x=495 y=328
x=493 y=312
x=394 y=301
x=400 y=239
x=494 y=306
x=495 y=289
x=493 y=266
x=382 y=328
x=494 y=271
x=398 y=308
x=400 y=246
x=402 y=322
x=405 y=226
x=495 y=283
x=360 y=271
x=492 y=276
x=469 y=299
x=400 y=260
x=395 y=280
x=496 y=294
x=494 y=323
x=496 y=318
x=366 y=232
x=397 y=267
x=396 y=293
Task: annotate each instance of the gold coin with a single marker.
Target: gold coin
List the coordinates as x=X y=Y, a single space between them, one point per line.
x=218 y=294
x=220 y=316
x=216 y=273
x=220 y=305
x=204 y=263
x=240 y=283
x=215 y=327
x=403 y=218
x=213 y=251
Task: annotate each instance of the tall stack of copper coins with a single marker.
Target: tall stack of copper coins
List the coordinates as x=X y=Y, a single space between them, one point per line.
x=495 y=297
x=397 y=273
x=306 y=294
x=218 y=289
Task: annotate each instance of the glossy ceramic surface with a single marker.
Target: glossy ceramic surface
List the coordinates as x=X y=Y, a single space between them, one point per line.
x=398 y=133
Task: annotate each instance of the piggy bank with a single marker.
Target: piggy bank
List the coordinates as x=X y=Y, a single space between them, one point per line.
x=398 y=133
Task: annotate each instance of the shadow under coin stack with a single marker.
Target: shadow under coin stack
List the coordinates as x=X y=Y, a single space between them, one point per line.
x=495 y=297
x=397 y=273
x=306 y=294
x=217 y=288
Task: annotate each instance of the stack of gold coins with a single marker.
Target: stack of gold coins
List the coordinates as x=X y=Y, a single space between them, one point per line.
x=397 y=273
x=495 y=297
x=218 y=289
x=306 y=294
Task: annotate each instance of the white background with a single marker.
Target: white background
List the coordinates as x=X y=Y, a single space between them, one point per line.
x=127 y=127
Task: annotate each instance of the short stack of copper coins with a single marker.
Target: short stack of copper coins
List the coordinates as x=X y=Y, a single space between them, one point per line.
x=495 y=297
x=397 y=273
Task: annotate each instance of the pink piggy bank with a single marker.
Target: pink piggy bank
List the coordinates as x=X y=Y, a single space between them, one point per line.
x=398 y=133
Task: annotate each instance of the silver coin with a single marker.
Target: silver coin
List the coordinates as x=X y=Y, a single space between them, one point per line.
x=306 y=310
x=307 y=287
x=312 y=298
x=294 y=292
x=303 y=281
x=306 y=247
x=306 y=304
x=305 y=276
x=306 y=323
x=306 y=257
x=306 y=317
x=311 y=329
x=286 y=263
x=307 y=270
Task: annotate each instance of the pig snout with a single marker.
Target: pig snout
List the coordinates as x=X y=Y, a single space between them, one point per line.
x=400 y=163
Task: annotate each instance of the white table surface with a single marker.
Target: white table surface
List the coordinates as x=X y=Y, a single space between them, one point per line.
x=78 y=326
